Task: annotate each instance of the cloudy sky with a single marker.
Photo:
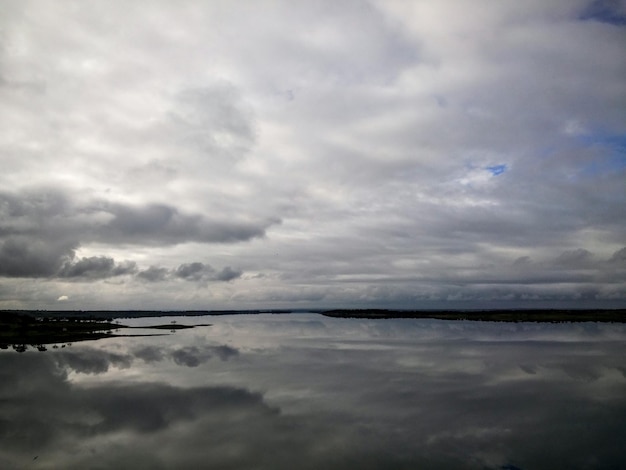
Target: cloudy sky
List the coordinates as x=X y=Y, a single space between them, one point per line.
x=256 y=154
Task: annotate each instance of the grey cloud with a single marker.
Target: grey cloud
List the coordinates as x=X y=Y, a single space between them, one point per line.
x=619 y=257
x=142 y=221
x=193 y=356
x=141 y=408
x=228 y=274
x=153 y=274
x=92 y=361
x=574 y=258
x=159 y=223
x=24 y=212
x=149 y=353
x=125 y=267
x=522 y=261
x=583 y=261
x=194 y=271
x=40 y=231
x=189 y=356
x=40 y=214
x=186 y=356
x=24 y=256
x=484 y=283
x=96 y=267
x=225 y=352
x=199 y=271
x=214 y=120
x=133 y=412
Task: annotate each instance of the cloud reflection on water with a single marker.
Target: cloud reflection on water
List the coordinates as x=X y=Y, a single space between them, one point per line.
x=301 y=390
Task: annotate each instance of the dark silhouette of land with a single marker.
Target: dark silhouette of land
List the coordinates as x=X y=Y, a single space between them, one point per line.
x=546 y=316
x=102 y=315
x=18 y=328
x=39 y=328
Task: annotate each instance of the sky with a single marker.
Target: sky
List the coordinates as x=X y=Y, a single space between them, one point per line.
x=281 y=154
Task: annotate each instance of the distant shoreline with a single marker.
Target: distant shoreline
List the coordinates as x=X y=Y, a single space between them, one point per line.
x=538 y=315
x=19 y=328
x=115 y=314
x=500 y=315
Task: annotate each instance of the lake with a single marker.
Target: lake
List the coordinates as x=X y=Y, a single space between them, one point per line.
x=304 y=391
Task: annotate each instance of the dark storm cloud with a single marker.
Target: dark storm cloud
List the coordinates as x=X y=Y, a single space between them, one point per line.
x=40 y=231
x=23 y=213
x=27 y=256
x=32 y=243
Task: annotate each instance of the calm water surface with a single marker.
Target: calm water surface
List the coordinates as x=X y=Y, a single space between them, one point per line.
x=309 y=392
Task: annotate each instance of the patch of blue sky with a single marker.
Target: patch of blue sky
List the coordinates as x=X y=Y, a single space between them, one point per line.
x=615 y=142
x=547 y=151
x=613 y=157
x=604 y=11
x=607 y=165
x=497 y=170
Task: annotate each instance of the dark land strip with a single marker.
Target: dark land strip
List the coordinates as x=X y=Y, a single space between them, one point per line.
x=544 y=316
x=26 y=328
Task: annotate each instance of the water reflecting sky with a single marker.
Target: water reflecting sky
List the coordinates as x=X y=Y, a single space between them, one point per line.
x=306 y=391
